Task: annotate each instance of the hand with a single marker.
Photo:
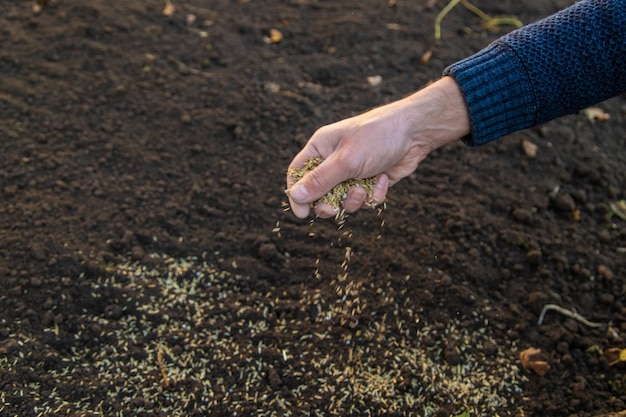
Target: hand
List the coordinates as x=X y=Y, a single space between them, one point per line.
x=388 y=142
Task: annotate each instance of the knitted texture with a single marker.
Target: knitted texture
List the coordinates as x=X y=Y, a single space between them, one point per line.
x=545 y=70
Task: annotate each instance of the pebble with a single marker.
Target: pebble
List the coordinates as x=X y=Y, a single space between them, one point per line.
x=562 y=348
x=529 y=148
x=536 y=300
x=113 y=311
x=8 y=345
x=48 y=318
x=571 y=325
x=452 y=356
x=604 y=235
x=138 y=402
x=36 y=282
x=274 y=379
x=47 y=305
x=138 y=253
x=490 y=349
x=267 y=251
x=607 y=298
x=565 y=202
x=533 y=257
x=605 y=272
x=521 y=215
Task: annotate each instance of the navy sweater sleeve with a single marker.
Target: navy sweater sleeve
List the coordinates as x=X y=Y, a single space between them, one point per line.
x=545 y=70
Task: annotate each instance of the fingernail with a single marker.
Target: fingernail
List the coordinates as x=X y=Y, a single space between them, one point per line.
x=299 y=193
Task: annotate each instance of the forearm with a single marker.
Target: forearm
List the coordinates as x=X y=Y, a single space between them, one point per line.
x=554 y=67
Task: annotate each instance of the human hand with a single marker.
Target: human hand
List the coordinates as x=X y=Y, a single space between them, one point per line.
x=388 y=143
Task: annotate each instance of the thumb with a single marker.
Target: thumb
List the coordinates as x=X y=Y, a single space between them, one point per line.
x=318 y=182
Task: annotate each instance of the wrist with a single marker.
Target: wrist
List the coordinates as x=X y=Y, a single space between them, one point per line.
x=438 y=114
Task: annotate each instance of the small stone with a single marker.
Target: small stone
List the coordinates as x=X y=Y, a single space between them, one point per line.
x=47 y=305
x=490 y=349
x=529 y=148
x=521 y=215
x=48 y=318
x=604 y=235
x=137 y=253
x=607 y=298
x=271 y=87
x=274 y=379
x=533 y=257
x=580 y=196
x=565 y=202
x=8 y=345
x=374 y=80
x=562 y=348
x=452 y=356
x=536 y=300
x=446 y=280
x=275 y=36
x=267 y=251
x=36 y=282
x=571 y=325
x=605 y=272
x=138 y=402
x=95 y=328
x=113 y=311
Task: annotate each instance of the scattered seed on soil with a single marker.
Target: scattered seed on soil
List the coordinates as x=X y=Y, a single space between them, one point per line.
x=181 y=350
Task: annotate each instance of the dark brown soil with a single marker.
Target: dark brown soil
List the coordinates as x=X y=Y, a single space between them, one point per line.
x=147 y=266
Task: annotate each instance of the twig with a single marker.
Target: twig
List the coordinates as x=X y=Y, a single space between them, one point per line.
x=443 y=14
x=182 y=67
x=568 y=313
x=162 y=367
x=489 y=22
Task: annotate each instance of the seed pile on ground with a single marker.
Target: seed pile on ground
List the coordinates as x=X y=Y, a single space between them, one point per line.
x=340 y=192
x=190 y=342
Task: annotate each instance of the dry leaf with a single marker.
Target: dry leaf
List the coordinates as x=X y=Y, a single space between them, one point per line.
x=426 y=57
x=596 y=113
x=528 y=362
x=169 y=8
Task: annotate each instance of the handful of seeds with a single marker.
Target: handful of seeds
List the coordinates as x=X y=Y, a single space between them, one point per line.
x=339 y=192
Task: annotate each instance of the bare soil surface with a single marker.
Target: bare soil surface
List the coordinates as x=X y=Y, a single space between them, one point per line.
x=148 y=268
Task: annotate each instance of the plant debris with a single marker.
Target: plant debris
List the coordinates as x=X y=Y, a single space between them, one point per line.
x=594 y=114
x=615 y=355
x=528 y=358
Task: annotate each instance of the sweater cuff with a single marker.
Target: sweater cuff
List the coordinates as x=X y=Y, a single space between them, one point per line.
x=497 y=91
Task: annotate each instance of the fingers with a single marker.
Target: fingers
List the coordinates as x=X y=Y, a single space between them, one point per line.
x=313 y=186
x=357 y=198
x=380 y=190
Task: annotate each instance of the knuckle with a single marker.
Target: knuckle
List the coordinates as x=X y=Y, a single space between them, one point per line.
x=316 y=181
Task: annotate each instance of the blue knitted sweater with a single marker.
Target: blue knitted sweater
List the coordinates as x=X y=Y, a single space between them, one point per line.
x=545 y=70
